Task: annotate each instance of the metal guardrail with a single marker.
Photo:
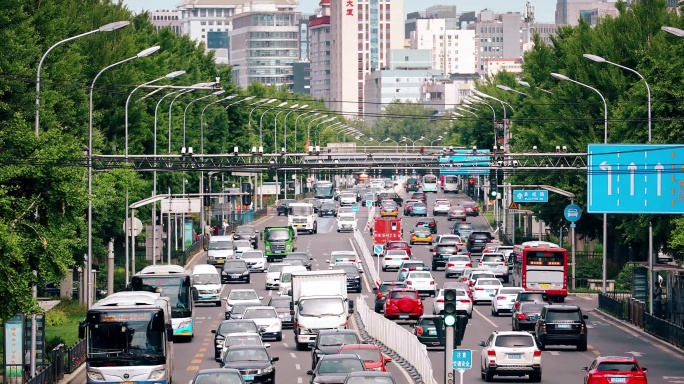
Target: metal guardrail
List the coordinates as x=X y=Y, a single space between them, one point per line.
x=76 y=356
x=398 y=339
x=664 y=330
x=613 y=305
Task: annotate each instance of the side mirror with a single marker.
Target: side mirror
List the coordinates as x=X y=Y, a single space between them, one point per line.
x=388 y=360
x=169 y=334
x=195 y=295
x=478 y=260
x=431 y=250
x=220 y=365
x=351 y=307
x=481 y=343
x=375 y=290
x=309 y=372
x=274 y=359
x=644 y=369
x=585 y=317
x=427 y=268
x=261 y=297
x=585 y=369
x=310 y=258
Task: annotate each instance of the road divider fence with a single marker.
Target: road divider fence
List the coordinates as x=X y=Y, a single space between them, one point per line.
x=367 y=258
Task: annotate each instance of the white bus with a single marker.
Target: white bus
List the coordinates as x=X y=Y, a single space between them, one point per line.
x=450 y=184
x=129 y=339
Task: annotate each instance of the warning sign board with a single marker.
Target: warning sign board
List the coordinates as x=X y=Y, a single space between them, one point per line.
x=514 y=206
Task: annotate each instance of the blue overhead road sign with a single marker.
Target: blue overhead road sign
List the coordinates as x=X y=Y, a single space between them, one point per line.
x=530 y=196
x=465 y=162
x=635 y=178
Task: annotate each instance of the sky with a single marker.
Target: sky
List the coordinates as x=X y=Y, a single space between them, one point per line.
x=544 y=9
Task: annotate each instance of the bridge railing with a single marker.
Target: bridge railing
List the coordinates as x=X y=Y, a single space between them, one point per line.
x=384 y=149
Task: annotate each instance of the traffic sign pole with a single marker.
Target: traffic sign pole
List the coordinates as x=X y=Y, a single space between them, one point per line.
x=449 y=356
x=460 y=373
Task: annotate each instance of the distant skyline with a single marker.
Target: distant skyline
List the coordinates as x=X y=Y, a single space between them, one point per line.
x=544 y=9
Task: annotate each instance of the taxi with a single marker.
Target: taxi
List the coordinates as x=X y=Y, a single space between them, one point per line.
x=421 y=235
x=389 y=210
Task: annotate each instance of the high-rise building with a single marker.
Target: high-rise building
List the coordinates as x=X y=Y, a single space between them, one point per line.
x=166 y=18
x=569 y=12
x=208 y=21
x=498 y=36
x=304 y=38
x=453 y=50
x=362 y=33
x=301 y=77
x=263 y=46
x=319 y=52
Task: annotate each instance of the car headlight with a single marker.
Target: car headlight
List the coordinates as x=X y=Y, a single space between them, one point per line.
x=245 y=273
x=266 y=370
x=95 y=376
x=184 y=323
x=157 y=374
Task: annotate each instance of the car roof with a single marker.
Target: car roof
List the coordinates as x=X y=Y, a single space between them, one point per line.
x=563 y=307
x=393 y=283
x=621 y=359
x=359 y=346
x=402 y=290
x=242 y=290
x=430 y=316
x=370 y=374
x=337 y=331
x=219 y=370
x=517 y=333
x=245 y=347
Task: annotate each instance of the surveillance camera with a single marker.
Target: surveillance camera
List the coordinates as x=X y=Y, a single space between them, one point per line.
x=558 y=149
x=261 y=149
x=235 y=150
x=254 y=149
x=189 y=151
x=534 y=148
x=183 y=151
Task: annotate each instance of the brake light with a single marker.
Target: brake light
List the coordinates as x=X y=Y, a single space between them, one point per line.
x=432 y=224
x=522 y=317
x=451 y=265
x=404 y=270
x=537 y=353
x=491 y=353
x=405 y=258
x=469 y=264
x=409 y=283
x=419 y=331
x=501 y=297
x=479 y=289
x=432 y=282
x=489 y=240
x=464 y=301
x=543 y=327
x=471 y=239
x=516 y=305
x=379 y=295
x=388 y=258
x=582 y=328
x=440 y=300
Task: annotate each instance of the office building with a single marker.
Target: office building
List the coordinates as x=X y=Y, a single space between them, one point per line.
x=453 y=50
x=410 y=23
x=443 y=93
x=209 y=21
x=401 y=80
x=569 y=12
x=319 y=52
x=301 y=77
x=304 y=38
x=492 y=66
x=362 y=34
x=498 y=36
x=263 y=46
x=166 y=18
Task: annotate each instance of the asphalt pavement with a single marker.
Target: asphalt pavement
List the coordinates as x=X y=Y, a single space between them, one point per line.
x=559 y=365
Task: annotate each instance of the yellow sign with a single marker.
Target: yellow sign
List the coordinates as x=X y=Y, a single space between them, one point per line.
x=514 y=205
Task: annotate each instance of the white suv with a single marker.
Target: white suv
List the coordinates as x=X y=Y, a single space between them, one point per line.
x=510 y=353
x=495 y=263
x=441 y=207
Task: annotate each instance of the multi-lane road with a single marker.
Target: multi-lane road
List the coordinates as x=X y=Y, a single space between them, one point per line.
x=559 y=365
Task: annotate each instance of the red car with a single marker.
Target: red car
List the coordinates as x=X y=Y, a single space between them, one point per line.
x=419 y=196
x=613 y=369
x=402 y=245
x=403 y=304
x=371 y=355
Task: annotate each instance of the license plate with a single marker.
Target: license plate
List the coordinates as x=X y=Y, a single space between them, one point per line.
x=514 y=356
x=478 y=241
x=234 y=276
x=544 y=285
x=618 y=379
x=493 y=266
x=404 y=317
x=563 y=326
x=220 y=261
x=278 y=251
x=432 y=333
x=248 y=378
x=206 y=297
x=489 y=291
x=300 y=226
x=509 y=306
x=126 y=382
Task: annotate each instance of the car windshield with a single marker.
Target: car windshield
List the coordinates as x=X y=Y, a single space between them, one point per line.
x=459 y=258
x=243 y=244
x=239 y=309
x=321 y=307
x=488 y=282
x=243 y=295
x=420 y=275
x=327 y=206
x=540 y=297
x=402 y=294
x=492 y=258
x=335 y=339
x=242 y=230
x=206 y=279
x=301 y=211
x=253 y=255
x=245 y=355
x=218 y=378
x=463 y=226
x=387 y=287
x=532 y=307
x=237 y=327
x=260 y=313
x=617 y=367
x=350 y=270
x=563 y=316
x=446 y=248
x=220 y=245
x=514 y=341
x=477 y=276
x=346 y=219
x=234 y=264
x=280 y=303
x=397 y=245
x=449 y=239
x=297 y=256
x=366 y=354
x=333 y=366
x=277 y=267
x=349 y=195
x=235 y=340
x=508 y=291
x=396 y=252
x=278 y=235
x=419 y=205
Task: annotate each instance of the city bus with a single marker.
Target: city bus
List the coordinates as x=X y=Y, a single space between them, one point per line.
x=430 y=183
x=174 y=282
x=450 y=183
x=542 y=266
x=324 y=190
x=129 y=339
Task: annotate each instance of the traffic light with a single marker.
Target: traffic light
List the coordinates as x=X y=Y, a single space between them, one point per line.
x=449 y=307
x=471 y=186
x=460 y=328
x=493 y=184
x=207 y=197
x=247 y=193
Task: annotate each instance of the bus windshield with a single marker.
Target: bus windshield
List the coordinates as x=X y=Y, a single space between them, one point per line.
x=135 y=334
x=278 y=235
x=220 y=245
x=324 y=190
x=430 y=179
x=176 y=288
x=450 y=179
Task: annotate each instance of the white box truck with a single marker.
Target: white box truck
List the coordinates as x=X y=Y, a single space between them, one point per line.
x=319 y=301
x=302 y=217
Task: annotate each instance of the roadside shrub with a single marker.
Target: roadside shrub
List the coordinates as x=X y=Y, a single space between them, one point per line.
x=56 y=316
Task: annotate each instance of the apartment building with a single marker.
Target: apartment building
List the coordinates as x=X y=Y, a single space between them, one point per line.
x=453 y=50
x=319 y=52
x=362 y=34
x=166 y=18
x=569 y=12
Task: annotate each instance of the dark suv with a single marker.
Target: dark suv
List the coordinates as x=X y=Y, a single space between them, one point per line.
x=531 y=297
x=419 y=196
x=561 y=325
x=283 y=206
x=427 y=222
x=381 y=293
x=353 y=277
x=463 y=229
x=441 y=254
x=389 y=196
x=329 y=341
x=478 y=240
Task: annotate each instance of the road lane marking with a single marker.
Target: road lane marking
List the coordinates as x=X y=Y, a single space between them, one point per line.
x=202 y=350
x=590 y=346
x=554 y=353
x=285 y=345
x=196 y=361
x=485 y=317
x=298 y=367
x=192 y=368
x=597 y=353
x=199 y=355
x=293 y=355
x=299 y=380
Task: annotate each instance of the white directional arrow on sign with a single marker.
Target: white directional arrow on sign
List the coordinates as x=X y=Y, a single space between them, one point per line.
x=659 y=182
x=519 y=196
x=631 y=167
x=606 y=167
x=636 y=354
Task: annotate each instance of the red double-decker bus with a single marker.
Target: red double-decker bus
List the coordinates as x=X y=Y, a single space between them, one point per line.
x=541 y=266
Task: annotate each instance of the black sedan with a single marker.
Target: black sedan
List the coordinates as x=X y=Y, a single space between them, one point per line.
x=375 y=377
x=353 y=277
x=231 y=326
x=283 y=206
x=253 y=362
x=333 y=369
x=329 y=342
x=525 y=317
x=305 y=258
x=218 y=375
x=247 y=232
x=327 y=209
x=235 y=270
x=282 y=307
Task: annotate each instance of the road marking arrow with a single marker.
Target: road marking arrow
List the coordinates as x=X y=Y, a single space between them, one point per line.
x=631 y=167
x=606 y=167
x=636 y=354
x=659 y=186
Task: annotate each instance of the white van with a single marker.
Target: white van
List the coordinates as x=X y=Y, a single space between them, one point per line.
x=206 y=284
x=286 y=278
x=220 y=248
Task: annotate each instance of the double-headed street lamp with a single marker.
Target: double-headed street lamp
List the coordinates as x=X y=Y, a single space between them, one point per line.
x=432 y=142
x=413 y=142
x=605 y=141
x=89 y=286
x=388 y=139
x=185 y=111
x=509 y=89
x=308 y=128
x=466 y=110
x=526 y=84
x=294 y=108
x=315 y=113
x=261 y=125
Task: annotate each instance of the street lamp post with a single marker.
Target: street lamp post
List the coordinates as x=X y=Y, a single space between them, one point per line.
x=185 y=111
x=465 y=110
x=318 y=131
x=105 y=28
x=526 y=84
x=275 y=127
x=600 y=59
x=509 y=89
x=605 y=141
x=432 y=142
x=294 y=108
x=261 y=124
x=257 y=104
x=89 y=267
x=413 y=142
x=315 y=113
x=308 y=129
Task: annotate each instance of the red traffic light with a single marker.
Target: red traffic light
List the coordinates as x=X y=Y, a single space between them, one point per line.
x=471 y=181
